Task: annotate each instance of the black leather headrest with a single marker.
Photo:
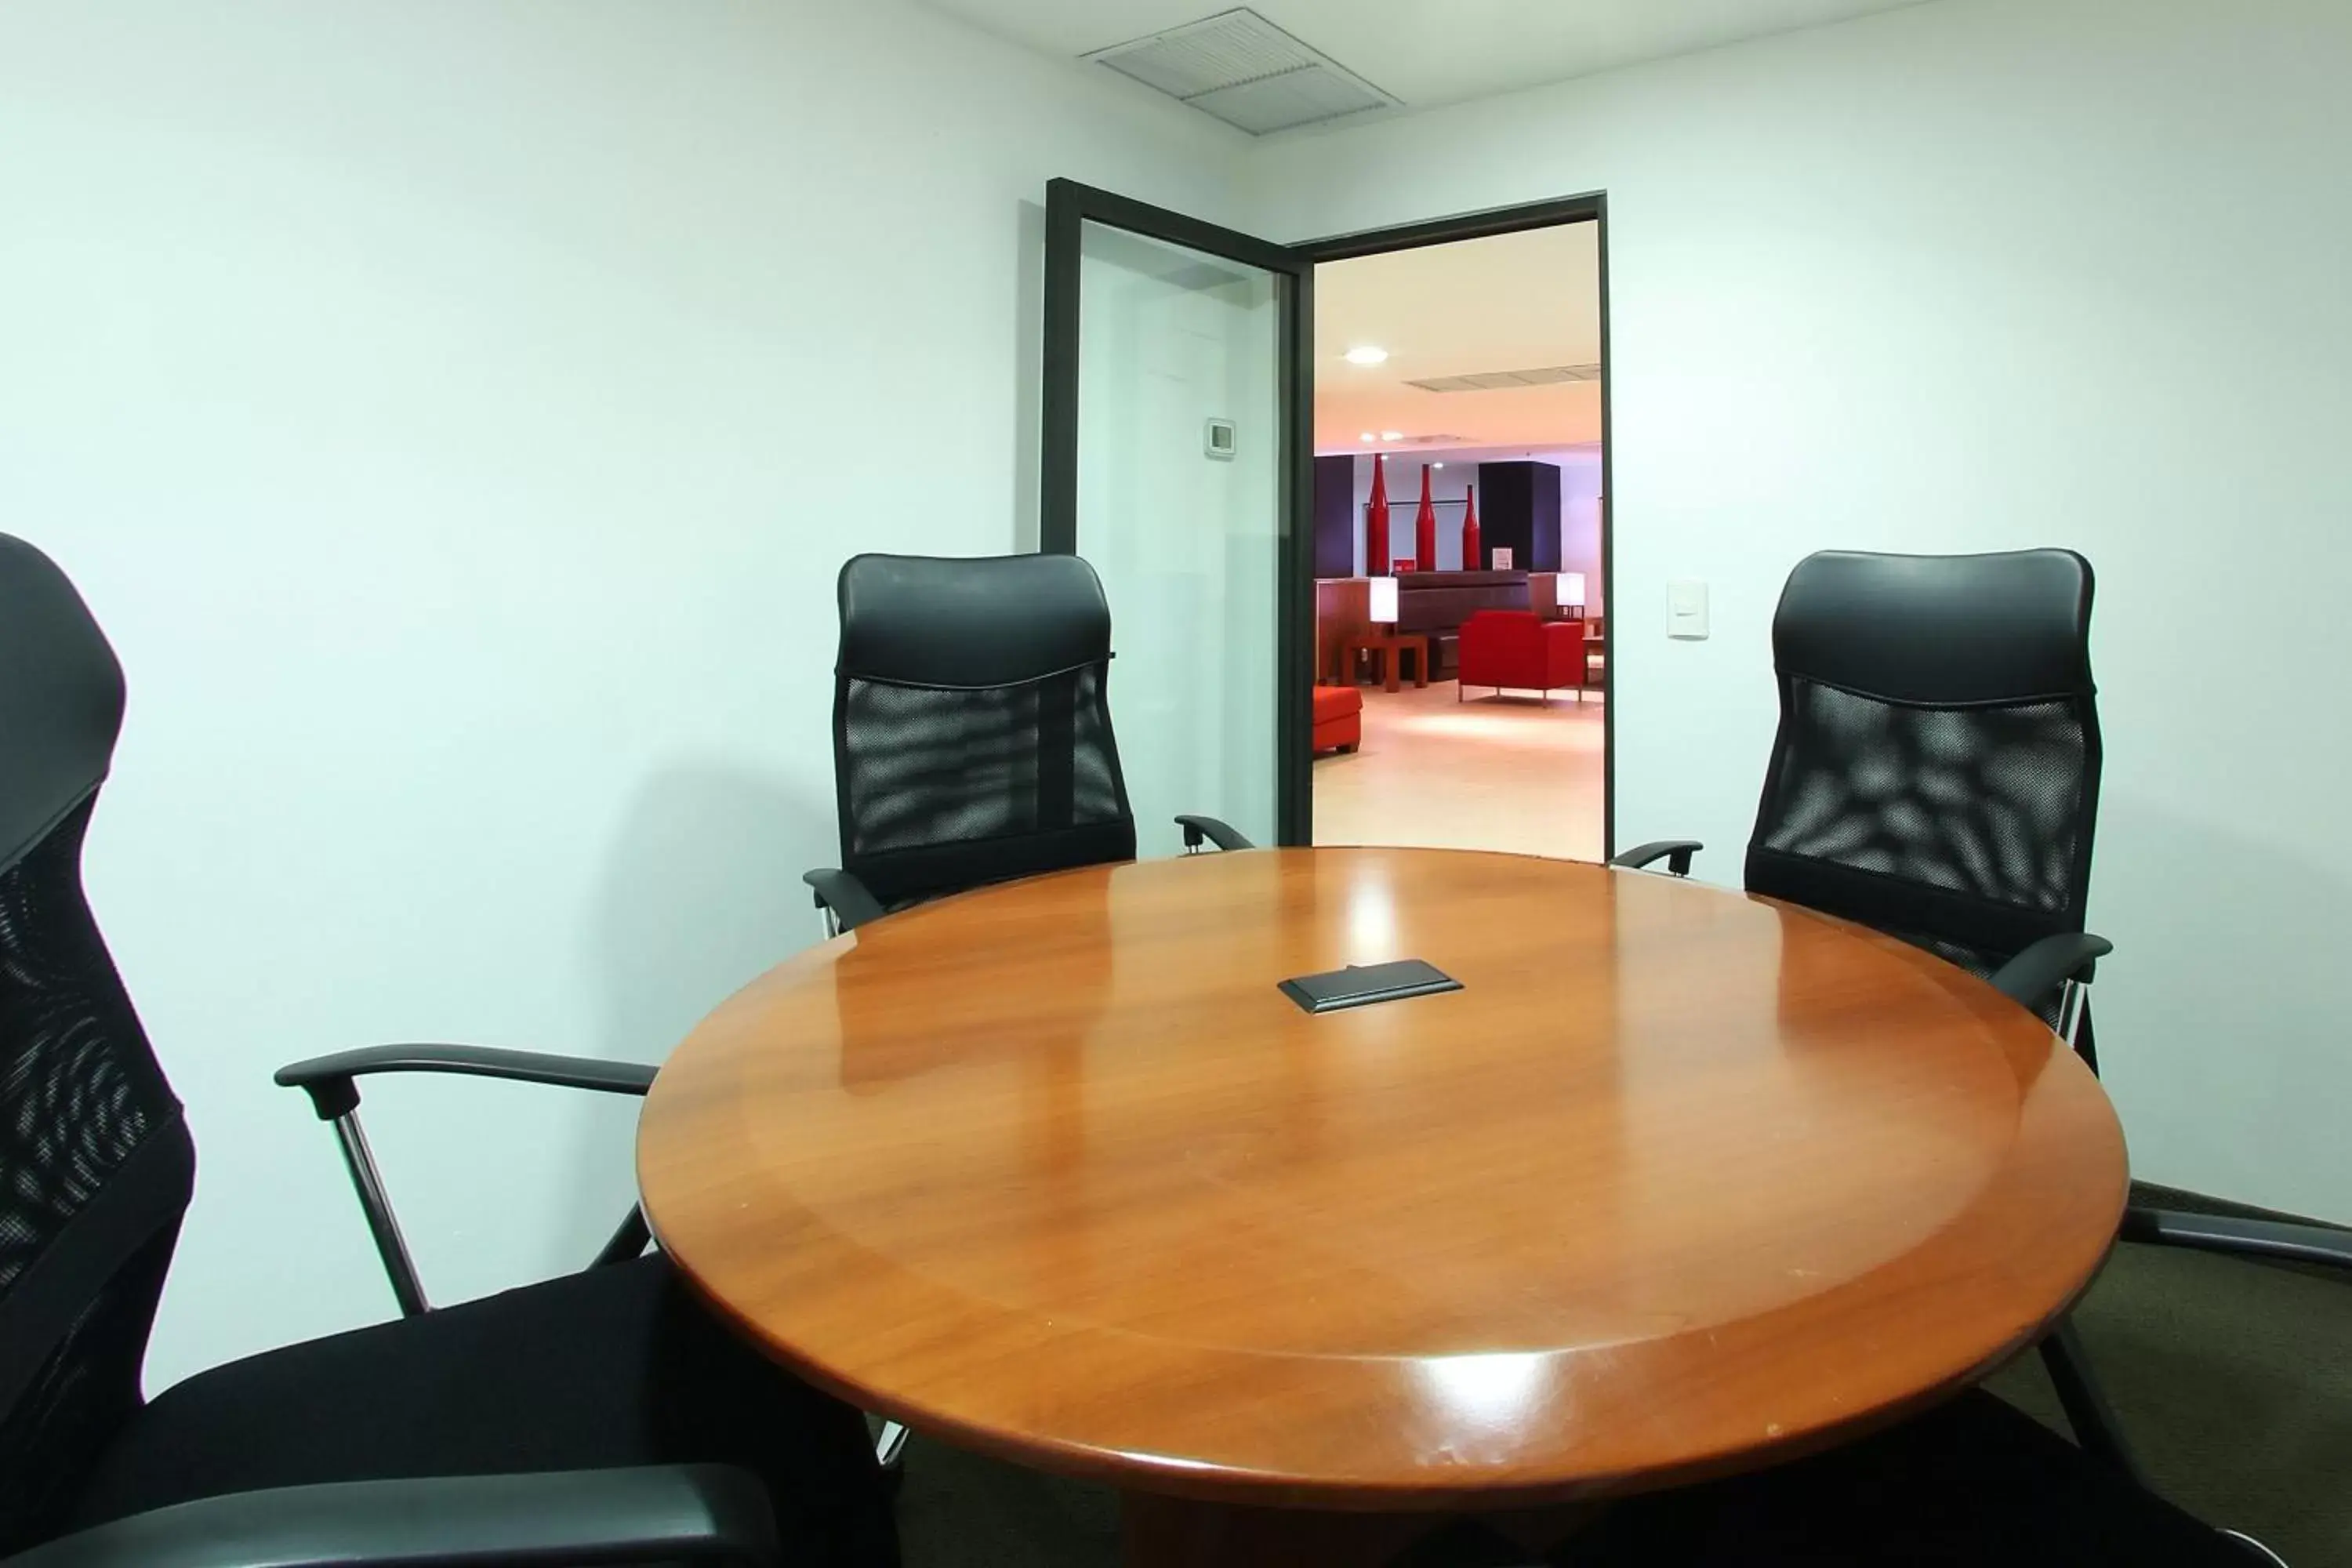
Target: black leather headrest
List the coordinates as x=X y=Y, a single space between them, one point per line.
x=1940 y=630
x=60 y=698
x=982 y=620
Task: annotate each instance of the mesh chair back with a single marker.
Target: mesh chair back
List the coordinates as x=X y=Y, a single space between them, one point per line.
x=971 y=723
x=1936 y=775
x=95 y=1164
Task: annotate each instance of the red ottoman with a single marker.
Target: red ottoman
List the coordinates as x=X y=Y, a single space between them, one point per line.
x=1338 y=717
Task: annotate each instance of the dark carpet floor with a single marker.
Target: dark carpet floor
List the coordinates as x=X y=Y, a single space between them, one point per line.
x=2234 y=1379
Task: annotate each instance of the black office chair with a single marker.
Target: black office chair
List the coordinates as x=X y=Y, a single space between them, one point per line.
x=1936 y=776
x=599 y=1418
x=971 y=738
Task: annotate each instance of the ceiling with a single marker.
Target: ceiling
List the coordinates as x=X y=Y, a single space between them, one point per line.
x=1430 y=52
x=1514 y=303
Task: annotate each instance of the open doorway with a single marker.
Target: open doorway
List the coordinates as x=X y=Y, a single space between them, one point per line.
x=1461 y=538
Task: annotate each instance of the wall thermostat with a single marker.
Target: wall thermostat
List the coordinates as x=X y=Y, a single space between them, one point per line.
x=1219 y=440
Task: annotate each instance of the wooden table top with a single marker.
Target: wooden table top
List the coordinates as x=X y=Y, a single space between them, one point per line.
x=1683 y=1181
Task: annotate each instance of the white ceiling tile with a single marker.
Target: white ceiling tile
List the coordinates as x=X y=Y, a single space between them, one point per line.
x=1431 y=52
x=1304 y=97
x=1238 y=46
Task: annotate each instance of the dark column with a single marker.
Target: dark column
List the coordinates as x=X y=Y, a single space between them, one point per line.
x=1519 y=509
x=1335 y=517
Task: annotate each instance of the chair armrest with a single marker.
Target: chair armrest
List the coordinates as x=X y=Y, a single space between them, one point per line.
x=846 y=897
x=333 y=1084
x=699 y=1513
x=1676 y=852
x=328 y=1079
x=1563 y=645
x=2040 y=969
x=2246 y=1238
x=1222 y=835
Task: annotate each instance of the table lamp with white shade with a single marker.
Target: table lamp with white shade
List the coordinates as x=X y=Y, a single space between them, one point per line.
x=1384 y=602
x=1570 y=589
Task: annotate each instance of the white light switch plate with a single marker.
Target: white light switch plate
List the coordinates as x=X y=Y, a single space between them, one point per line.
x=1687 y=610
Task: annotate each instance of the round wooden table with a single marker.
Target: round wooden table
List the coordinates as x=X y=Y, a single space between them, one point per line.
x=1682 y=1182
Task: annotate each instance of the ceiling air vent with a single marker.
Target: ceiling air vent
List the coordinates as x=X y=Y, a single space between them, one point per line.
x=1243 y=69
x=1497 y=380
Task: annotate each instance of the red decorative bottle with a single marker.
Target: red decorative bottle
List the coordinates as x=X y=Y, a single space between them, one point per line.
x=1424 y=528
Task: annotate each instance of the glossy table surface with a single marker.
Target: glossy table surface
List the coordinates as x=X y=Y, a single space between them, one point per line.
x=1682 y=1182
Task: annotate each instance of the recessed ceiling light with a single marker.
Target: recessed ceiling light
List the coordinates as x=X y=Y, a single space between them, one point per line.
x=1369 y=437
x=1391 y=435
x=1367 y=354
x=1437 y=465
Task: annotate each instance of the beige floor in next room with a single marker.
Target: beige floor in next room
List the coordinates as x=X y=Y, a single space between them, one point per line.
x=1511 y=774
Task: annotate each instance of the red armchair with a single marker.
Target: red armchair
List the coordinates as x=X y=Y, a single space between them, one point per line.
x=1519 y=649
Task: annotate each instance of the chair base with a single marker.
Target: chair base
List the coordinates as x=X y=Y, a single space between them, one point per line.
x=1544 y=692
x=1973 y=1483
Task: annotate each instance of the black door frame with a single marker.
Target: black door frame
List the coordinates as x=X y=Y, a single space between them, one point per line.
x=1070 y=205
x=1069 y=208
x=1591 y=207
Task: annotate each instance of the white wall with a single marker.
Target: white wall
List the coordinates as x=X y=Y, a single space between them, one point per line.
x=426 y=395
x=1977 y=275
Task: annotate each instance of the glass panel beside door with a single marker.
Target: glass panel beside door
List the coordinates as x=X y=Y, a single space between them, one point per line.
x=1179 y=511
x=1172 y=465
